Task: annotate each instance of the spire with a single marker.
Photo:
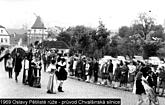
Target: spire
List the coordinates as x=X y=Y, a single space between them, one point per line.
x=38 y=24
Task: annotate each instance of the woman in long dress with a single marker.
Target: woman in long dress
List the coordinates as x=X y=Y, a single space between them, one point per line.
x=52 y=83
x=138 y=87
x=37 y=72
x=35 y=77
x=25 y=71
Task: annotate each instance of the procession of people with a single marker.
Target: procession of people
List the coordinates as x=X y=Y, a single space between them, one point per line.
x=144 y=78
x=31 y=62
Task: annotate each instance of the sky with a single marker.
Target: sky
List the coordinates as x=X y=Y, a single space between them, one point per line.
x=65 y=13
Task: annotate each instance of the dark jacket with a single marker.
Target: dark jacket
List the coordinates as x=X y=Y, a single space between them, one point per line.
x=18 y=64
x=110 y=68
x=96 y=67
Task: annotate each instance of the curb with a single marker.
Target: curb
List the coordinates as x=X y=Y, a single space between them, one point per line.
x=118 y=88
x=99 y=84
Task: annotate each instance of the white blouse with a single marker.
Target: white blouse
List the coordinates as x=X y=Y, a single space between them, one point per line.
x=51 y=66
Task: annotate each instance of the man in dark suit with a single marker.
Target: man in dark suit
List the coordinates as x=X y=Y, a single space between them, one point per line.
x=110 y=70
x=18 y=65
x=96 y=70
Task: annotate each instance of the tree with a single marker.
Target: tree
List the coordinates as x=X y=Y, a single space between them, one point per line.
x=144 y=24
x=161 y=51
x=52 y=32
x=80 y=38
x=101 y=38
x=112 y=48
x=130 y=40
x=124 y=31
x=64 y=36
x=148 y=31
x=86 y=40
x=158 y=32
x=150 y=49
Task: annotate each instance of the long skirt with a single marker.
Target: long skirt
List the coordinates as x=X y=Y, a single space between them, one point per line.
x=52 y=83
x=25 y=76
x=35 y=79
x=131 y=78
x=62 y=75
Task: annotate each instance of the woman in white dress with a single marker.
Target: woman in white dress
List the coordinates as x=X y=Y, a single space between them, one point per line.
x=25 y=71
x=52 y=83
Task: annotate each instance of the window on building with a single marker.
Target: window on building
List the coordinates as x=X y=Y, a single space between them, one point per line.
x=1 y=31
x=6 y=40
x=1 y=40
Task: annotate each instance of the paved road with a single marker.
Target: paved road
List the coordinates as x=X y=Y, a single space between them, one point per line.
x=73 y=89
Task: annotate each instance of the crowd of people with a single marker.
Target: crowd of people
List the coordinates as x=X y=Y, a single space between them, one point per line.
x=126 y=74
x=120 y=74
x=31 y=64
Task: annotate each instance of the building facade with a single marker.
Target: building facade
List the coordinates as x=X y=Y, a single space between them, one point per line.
x=18 y=37
x=38 y=32
x=4 y=37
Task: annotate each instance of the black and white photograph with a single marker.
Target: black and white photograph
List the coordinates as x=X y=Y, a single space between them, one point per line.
x=82 y=52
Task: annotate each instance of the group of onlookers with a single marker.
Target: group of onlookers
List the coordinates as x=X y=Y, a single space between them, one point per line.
x=120 y=74
x=83 y=68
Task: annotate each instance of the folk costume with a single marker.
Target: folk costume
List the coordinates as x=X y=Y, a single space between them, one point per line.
x=61 y=74
x=36 y=73
x=52 y=83
x=25 y=72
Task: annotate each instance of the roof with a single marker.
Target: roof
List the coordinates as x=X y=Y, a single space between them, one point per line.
x=2 y=26
x=17 y=31
x=55 y=44
x=38 y=24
